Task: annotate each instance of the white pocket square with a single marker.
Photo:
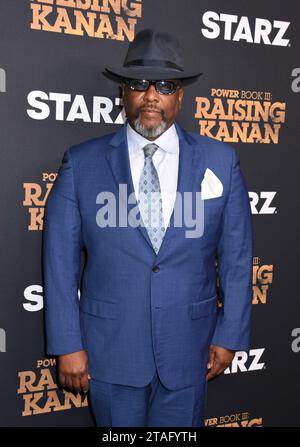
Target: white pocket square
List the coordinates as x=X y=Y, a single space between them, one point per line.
x=211 y=185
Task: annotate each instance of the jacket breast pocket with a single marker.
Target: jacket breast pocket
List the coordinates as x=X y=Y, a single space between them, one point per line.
x=203 y=308
x=99 y=308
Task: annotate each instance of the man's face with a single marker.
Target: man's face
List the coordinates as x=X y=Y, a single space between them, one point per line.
x=151 y=113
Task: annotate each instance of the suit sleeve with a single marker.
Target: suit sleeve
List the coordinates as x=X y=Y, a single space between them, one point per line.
x=62 y=244
x=235 y=255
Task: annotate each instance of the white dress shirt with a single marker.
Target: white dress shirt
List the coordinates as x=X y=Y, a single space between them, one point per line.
x=165 y=160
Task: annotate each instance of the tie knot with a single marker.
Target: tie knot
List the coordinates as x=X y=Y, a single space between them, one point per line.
x=149 y=149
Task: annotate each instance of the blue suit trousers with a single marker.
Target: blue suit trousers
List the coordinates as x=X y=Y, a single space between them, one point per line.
x=152 y=405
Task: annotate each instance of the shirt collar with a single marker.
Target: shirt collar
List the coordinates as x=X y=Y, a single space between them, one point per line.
x=168 y=141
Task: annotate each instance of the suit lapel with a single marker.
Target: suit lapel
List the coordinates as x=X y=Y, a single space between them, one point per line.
x=118 y=159
x=184 y=182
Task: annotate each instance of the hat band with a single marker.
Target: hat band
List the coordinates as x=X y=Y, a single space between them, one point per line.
x=154 y=63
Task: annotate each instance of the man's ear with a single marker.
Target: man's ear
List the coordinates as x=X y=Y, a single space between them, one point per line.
x=181 y=94
x=122 y=85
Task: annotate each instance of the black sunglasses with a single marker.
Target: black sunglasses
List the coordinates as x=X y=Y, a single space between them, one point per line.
x=142 y=85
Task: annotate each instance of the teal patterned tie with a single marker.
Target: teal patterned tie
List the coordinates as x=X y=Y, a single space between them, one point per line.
x=150 y=202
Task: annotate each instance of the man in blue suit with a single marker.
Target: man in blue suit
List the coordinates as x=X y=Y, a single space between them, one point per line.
x=147 y=332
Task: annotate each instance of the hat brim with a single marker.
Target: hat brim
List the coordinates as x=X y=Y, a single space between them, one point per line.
x=153 y=73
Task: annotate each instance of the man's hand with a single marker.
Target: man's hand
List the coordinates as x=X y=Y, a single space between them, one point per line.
x=73 y=371
x=218 y=360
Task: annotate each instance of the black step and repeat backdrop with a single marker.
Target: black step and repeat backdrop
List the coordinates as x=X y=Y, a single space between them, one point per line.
x=53 y=95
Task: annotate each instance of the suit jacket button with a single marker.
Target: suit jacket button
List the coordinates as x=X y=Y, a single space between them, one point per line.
x=156 y=269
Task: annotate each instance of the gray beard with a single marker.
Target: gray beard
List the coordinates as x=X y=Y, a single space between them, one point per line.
x=149 y=132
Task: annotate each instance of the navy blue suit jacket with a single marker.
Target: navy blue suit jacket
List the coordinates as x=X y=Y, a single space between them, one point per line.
x=130 y=318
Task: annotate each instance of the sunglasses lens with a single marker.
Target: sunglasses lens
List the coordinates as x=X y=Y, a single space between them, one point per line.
x=166 y=87
x=140 y=85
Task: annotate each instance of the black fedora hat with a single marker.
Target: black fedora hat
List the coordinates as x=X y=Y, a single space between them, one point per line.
x=153 y=55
